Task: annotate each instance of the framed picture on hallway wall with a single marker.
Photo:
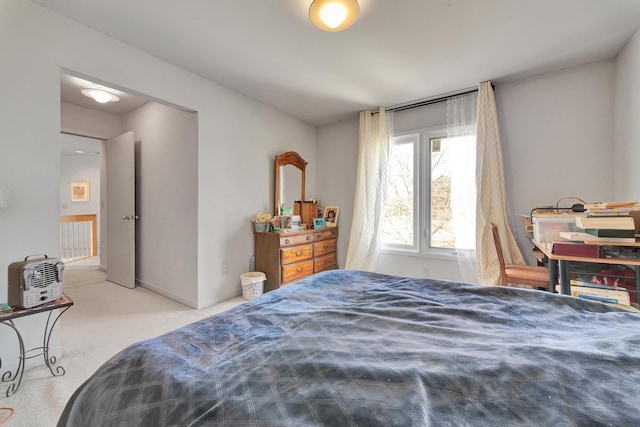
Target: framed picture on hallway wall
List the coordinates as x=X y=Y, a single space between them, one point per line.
x=80 y=191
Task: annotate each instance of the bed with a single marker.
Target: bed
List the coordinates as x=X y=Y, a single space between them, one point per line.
x=353 y=348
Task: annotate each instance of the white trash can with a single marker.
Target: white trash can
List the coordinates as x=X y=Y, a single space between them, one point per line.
x=252 y=284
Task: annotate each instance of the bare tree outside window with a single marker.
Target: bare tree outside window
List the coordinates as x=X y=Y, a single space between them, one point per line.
x=431 y=193
x=441 y=226
x=398 y=225
x=400 y=209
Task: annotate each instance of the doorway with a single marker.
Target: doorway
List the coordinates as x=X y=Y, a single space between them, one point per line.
x=80 y=197
x=165 y=179
x=83 y=204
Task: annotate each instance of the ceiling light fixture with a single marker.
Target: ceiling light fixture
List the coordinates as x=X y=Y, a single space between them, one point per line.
x=101 y=96
x=333 y=15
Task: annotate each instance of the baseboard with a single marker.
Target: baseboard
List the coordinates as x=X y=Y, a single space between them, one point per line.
x=187 y=302
x=170 y=295
x=214 y=301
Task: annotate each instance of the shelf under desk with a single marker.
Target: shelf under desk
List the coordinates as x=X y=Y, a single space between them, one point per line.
x=559 y=264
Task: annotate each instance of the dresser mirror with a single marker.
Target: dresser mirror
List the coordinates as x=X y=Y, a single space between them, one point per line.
x=289 y=180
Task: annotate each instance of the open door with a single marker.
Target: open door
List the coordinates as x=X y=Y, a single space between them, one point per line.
x=121 y=217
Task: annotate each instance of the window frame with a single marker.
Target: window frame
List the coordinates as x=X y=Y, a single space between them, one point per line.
x=421 y=246
x=414 y=138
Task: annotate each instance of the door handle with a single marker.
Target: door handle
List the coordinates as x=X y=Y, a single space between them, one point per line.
x=125 y=217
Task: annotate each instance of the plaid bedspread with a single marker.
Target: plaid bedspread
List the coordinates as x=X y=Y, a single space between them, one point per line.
x=350 y=348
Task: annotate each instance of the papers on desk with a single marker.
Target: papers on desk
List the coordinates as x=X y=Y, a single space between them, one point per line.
x=578 y=236
x=575 y=235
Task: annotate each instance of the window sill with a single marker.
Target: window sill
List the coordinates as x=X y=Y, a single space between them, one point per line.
x=441 y=254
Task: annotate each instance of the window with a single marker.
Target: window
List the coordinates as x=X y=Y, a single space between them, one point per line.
x=430 y=204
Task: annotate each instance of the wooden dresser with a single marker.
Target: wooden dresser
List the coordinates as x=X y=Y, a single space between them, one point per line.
x=287 y=257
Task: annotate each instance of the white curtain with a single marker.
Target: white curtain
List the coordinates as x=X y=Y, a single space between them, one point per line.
x=491 y=194
x=371 y=189
x=461 y=133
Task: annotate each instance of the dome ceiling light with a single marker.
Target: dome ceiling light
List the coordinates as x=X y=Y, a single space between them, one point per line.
x=333 y=15
x=99 y=95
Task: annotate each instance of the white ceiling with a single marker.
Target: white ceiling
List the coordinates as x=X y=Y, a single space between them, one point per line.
x=398 y=50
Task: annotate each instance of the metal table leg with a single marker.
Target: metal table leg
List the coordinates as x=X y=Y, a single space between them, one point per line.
x=51 y=360
x=553 y=275
x=16 y=378
x=637 y=269
x=565 y=287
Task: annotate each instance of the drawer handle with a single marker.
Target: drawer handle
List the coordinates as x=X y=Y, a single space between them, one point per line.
x=299 y=269
x=327 y=246
x=287 y=241
x=299 y=252
x=308 y=237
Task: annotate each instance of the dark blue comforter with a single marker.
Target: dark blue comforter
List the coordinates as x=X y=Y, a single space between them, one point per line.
x=347 y=348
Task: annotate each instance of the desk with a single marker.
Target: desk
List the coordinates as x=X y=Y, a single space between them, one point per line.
x=559 y=264
x=7 y=318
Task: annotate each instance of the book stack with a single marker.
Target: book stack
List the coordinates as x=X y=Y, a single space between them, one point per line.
x=611 y=221
x=609 y=208
x=605 y=294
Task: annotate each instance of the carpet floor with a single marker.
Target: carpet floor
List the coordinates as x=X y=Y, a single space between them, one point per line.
x=104 y=319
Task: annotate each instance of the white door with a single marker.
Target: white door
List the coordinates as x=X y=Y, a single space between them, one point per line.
x=121 y=224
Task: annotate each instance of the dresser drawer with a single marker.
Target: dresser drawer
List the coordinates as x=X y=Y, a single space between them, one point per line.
x=296 y=254
x=325 y=262
x=324 y=247
x=327 y=233
x=296 y=271
x=295 y=239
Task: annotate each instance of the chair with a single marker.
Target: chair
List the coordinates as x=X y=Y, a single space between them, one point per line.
x=528 y=275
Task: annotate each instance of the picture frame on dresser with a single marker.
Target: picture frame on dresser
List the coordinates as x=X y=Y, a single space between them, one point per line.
x=318 y=223
x=277 y=223
x=331 y=215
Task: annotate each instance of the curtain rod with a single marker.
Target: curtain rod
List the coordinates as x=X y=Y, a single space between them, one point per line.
x=429 y=101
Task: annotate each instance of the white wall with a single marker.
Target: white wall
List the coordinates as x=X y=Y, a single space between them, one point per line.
x=557 y=140
x=556 y=132
x=238 y=139
x=87 y=122
x=166 y=200
x=337 y=154
x=626 y=171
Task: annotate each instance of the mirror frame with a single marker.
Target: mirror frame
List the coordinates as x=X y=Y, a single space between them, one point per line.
x=288 y=158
